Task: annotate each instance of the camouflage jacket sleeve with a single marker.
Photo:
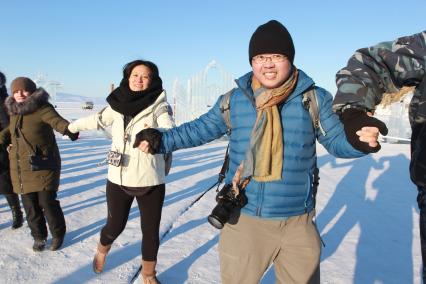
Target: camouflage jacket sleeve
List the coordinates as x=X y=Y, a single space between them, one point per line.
x=383 y=68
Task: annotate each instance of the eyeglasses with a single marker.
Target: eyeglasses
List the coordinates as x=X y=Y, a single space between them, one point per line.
x=260 y=59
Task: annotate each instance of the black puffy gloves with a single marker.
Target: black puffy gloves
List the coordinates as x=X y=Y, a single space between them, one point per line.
x=72 y=136
x=355 y=119
x=150 y=135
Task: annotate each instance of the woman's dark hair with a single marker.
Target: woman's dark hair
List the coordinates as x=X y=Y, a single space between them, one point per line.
x=3 y=90
x=127 y=69
x=2 y=79
x=3 y=93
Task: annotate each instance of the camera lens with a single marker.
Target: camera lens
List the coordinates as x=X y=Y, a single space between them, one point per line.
x=220 y=215
x=215 y=222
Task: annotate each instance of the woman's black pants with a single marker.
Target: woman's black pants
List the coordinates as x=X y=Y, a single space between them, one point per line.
x=150 y=207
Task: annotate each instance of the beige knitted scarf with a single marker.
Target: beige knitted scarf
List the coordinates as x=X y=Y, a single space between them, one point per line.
x=264 y=158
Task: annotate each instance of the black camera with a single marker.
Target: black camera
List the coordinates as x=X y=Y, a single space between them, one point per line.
x=226 y=203
x=43 y=163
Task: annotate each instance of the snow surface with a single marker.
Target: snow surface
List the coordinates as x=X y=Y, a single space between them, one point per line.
x=366 y=214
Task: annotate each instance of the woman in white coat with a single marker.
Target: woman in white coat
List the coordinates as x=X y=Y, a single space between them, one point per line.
x=138 y=103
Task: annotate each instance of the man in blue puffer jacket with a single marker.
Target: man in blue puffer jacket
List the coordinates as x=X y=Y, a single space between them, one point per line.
x=272 y=147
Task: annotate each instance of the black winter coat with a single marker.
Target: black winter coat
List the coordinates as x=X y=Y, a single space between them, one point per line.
x=31 y=133
x=5 y=182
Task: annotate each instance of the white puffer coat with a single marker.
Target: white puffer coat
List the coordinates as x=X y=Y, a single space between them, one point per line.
x=137 y=168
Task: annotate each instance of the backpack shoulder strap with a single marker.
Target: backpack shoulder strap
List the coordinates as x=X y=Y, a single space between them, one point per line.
x=225 y=108
x=162 y=108
x=310 y=102
x=101 y=125
x=311 y=96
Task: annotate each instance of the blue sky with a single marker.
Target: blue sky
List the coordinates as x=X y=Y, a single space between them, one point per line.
x=84 y=44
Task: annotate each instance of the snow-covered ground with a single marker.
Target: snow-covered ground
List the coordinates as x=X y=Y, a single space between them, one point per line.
x=366 y=214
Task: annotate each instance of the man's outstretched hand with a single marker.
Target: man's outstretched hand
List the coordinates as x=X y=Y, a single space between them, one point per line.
x=148 y=140
x=362 y=130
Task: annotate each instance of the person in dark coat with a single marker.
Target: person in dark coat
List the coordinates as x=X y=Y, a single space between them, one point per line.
x=35 y=163
x=382 y=68
x=5 y=182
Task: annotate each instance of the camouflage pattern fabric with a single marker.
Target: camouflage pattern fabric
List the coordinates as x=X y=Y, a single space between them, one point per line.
x=383 y=68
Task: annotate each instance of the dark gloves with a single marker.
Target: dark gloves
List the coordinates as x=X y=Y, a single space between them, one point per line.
x=150 y=135
x=355 y=119
x=72 y=136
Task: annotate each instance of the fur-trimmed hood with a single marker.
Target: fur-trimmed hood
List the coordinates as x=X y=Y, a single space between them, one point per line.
x=37 y=99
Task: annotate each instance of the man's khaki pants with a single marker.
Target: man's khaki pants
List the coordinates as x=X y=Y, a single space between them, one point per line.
x=248 y=248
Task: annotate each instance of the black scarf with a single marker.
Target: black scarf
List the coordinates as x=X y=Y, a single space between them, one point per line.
x=128 y=102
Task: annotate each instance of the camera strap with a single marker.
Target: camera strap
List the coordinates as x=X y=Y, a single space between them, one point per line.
x=222 y=172
x=128 y=128
x=225 y=166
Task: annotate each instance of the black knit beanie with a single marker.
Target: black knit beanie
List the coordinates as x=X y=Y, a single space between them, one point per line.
x=271 y=37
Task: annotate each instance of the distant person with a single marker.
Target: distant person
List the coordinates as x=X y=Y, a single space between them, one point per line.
x=272 y=159
x=35 y=163
x=138 y=103
x=5 y=183
x=386 y=68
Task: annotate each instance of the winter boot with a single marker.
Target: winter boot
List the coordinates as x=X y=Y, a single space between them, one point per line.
x=149 y=273
x=39 y=244
x=56 y=243
x=17 y=216
x=100 y=257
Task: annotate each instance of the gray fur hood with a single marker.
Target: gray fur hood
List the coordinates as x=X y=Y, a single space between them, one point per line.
x=36 y=100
